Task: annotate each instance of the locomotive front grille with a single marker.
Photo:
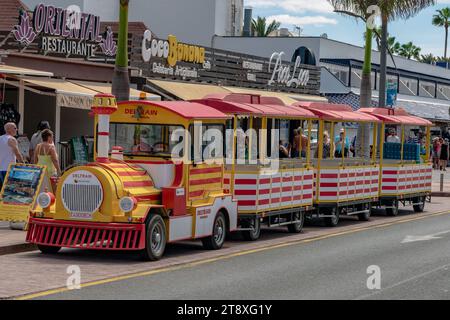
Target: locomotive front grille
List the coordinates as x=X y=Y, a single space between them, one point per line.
x=82 y=199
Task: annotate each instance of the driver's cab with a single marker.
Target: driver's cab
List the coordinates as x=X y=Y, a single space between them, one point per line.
x=160 y=137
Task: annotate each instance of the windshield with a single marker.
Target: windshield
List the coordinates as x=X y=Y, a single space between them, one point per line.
x=143 y=139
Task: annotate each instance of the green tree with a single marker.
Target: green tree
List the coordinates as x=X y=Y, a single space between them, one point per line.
x=261 y=29
x=121 y=80
x=392 y=10
x=358 y=9
x=392 y=45
x=442 y=19
x=427 y=58
x=409 y=51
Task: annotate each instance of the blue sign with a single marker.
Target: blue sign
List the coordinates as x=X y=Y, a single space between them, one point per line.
x=391 y=94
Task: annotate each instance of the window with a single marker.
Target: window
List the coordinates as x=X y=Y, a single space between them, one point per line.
x=143 y=139
x=209 y=134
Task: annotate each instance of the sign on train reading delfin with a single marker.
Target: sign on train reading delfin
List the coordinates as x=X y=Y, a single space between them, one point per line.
x=19 y=192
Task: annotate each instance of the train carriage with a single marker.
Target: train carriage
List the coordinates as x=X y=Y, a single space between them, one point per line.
x=155 y=179
x=344 y=184
x=141 y=199
x=275 y=194
x=406 y=170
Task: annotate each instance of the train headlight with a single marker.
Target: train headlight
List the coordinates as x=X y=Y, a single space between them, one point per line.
x=46 y=199
x=127 y=204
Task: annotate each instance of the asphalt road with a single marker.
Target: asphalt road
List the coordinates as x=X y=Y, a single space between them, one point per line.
x=330 y=268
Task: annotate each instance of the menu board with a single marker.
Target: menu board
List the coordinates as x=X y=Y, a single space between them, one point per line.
x=19 y=192
x=79 y=150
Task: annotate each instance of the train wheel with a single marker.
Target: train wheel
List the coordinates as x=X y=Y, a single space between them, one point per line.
x=298 y=226
x=48 y=249
x=365 y=216
x=420 y=206
x=393 y=211
x=334 y=220
x=155 y=242
x=216 y=240
x=255 y=233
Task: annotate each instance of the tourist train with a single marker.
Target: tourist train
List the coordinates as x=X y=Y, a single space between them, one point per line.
x=156 y=180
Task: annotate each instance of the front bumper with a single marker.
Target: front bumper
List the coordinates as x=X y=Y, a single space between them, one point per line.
x=86 y=235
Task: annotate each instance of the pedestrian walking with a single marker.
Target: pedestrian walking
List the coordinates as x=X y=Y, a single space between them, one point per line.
x=436 y=153
x=444 y=157
x=46 y=154
x=9 y=150
x=36 y=138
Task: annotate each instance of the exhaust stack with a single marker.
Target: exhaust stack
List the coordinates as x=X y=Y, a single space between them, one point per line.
x=104 y=105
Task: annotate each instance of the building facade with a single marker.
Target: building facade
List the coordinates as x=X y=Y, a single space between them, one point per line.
x=422 y=89
x=194 y=21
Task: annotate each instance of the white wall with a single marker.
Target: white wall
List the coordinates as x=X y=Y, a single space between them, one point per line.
x=264 y=47
x=31 y=4
x=108 y=10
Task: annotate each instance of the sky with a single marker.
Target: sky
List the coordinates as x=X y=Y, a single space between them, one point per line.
x=316 y=17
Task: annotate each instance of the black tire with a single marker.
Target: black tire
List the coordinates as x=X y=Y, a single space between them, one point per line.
x=48 y=249
x=252 y=235
x=366 y=215
x=217 y=239
x=331 y=221
x=298 y=226
x=155 y=239
x=393 y=212
x=421 y=206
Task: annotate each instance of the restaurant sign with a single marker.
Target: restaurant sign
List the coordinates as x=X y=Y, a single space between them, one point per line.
x=171 y=59
x=67 y=32
x=165 y=54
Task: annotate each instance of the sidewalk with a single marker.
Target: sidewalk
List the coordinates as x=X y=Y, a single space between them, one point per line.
x=12 y=241
x=436 y=183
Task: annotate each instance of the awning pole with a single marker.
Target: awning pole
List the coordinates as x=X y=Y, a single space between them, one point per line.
x=21 y=105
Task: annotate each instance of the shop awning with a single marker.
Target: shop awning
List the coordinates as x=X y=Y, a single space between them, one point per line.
x=185 y=91
x=68 y=94
x=79 y=95
x=17 y=71
x=106 y=88
x=287 y=98
x=194 y=91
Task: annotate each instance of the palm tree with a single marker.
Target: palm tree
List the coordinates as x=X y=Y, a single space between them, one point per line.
x=390 y=11
x=409 y=51
x=427 y=58
x=375 y=36
x=121 y=79
x=358 y=9
x=392 y=45
x=261 y=29
x=442 y=19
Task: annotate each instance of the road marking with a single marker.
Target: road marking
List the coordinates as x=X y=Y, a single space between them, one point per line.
x=223 y=257
x=428 y=237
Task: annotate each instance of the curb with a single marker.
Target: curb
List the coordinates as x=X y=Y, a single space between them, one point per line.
x=17 y=248
x=440 y=194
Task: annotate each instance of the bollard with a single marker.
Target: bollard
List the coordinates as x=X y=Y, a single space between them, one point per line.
x=442 y=183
